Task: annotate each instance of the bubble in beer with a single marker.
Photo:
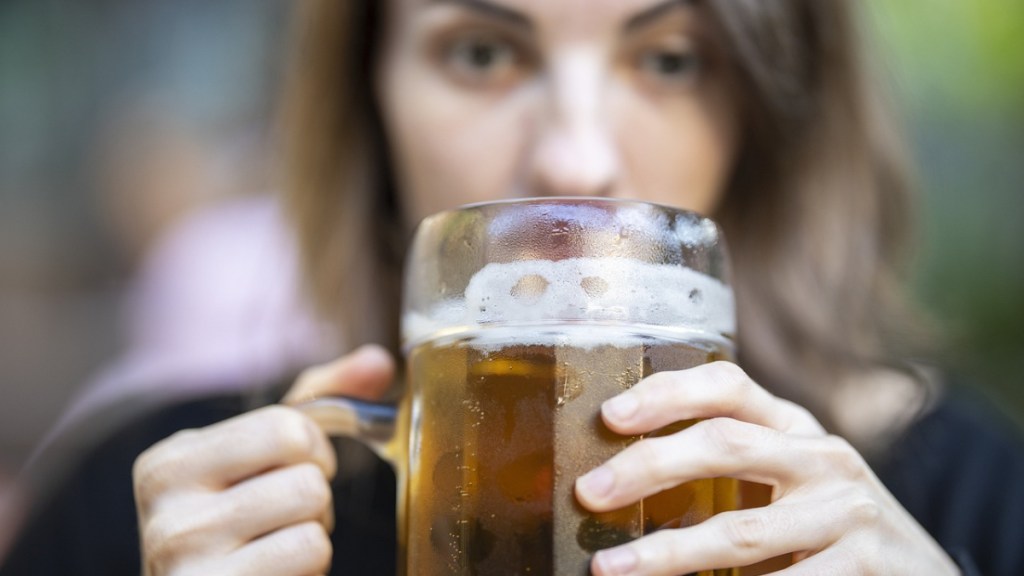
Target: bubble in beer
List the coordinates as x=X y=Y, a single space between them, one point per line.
x=569 y=389
x=448 y=471
x=463 y=542
x=594 y=535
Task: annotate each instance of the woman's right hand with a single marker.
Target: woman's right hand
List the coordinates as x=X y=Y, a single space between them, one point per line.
x=250 y=495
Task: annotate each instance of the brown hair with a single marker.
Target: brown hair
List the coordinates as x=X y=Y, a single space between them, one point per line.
x=816 y=214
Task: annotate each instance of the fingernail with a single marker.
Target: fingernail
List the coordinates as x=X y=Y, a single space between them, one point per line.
x=621 y=407
x=597 y=483
x=616 y=561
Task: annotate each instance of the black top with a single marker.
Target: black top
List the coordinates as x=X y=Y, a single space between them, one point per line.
x=959 y=470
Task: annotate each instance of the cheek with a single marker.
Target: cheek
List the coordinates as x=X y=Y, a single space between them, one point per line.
x=449 y=149
x=677 y=152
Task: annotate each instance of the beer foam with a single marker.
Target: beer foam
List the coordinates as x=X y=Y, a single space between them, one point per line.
x=600 y=290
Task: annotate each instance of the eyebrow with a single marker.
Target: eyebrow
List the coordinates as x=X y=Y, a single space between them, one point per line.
x=492 y=10
x=519 y=19
x=655 y=12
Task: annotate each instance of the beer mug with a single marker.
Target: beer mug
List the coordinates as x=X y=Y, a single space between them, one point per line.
x=519 y=319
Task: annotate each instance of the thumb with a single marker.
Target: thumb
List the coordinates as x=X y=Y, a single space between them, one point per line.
x=366 y=373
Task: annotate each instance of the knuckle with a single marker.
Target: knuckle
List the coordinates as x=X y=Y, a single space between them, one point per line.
x=661 y=385
x=730 y=377
x=146 y=492
x=745 y=531
x=312 y=540
x=843 y=459
x=798 y=410
x=848 y=562
x=310 y=487
x=866 y=564
x=862 y=509
x=154 y=536
x=166 y=540
x=801 y=417
x=156 y=469
x=650 y=459
x=728 y=436
x=293 y=432
x=320 y=548
x=661 y=549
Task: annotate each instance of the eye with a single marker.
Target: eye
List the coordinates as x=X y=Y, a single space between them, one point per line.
x=482 y=60
x=672 y=66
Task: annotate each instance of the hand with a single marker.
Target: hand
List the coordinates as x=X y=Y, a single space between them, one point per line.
x=828 y=508
x=250 y=495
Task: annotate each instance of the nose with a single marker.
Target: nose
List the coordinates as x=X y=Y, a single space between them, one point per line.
x=573 y=151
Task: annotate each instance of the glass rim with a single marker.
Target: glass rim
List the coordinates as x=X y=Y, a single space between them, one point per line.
x=528 y=200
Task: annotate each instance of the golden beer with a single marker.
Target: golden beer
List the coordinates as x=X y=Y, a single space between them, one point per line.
x=504 y=422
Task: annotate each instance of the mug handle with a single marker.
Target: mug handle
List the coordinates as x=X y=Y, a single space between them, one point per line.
x=371 y=423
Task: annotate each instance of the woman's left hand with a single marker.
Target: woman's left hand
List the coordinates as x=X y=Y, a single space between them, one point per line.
x=828 y=508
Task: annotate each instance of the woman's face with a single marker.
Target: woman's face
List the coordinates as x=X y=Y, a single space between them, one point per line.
x=495 y=99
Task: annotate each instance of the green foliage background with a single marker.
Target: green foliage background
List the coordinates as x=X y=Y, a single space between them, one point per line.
x=958 y=71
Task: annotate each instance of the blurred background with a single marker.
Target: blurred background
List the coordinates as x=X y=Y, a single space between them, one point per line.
x=118 y=120
x=121 y=118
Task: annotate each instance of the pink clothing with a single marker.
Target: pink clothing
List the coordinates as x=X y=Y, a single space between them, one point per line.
x=216 y=307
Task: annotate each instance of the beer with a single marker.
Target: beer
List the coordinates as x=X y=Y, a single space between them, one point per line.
x=504 y=422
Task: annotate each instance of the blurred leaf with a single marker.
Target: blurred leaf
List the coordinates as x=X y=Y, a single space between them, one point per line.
x=956 y=54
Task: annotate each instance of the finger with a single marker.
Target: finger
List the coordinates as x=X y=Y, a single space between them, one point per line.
x=726 y=540
x=277 y=499
x=365 y=373
x=297 y=550
x=223 y=454
x=707 y=391
x=192 y=528
x=721 y=447
x=834 y=560
x=217 y=523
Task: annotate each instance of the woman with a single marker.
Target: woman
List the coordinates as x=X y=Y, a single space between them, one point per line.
x=758 y=113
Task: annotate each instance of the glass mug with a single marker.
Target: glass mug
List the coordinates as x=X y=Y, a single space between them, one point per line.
x=519 y=319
